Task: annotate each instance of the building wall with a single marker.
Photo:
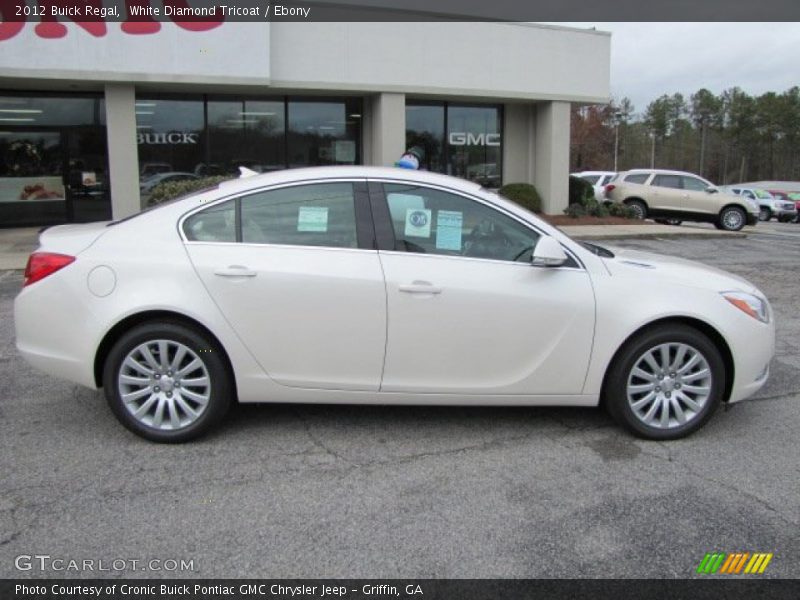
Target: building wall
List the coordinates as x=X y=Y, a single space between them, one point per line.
x=477 y=60
x=535 y=71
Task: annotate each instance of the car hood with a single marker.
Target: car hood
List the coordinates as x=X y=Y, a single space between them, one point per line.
x=638 y=264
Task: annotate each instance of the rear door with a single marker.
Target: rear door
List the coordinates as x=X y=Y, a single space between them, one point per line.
x=295 y=273
x=668 y=193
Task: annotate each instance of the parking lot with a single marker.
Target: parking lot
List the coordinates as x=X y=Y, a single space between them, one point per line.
x=345 y=491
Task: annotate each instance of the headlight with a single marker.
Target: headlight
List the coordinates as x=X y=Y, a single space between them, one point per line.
x=749 y=304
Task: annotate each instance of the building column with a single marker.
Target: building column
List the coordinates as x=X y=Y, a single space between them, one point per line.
x=518 y=137
x=551 y=150
x=123 y=153
x=384 y=129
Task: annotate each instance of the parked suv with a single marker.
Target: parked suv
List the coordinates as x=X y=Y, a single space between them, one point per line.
x=768 y=205
x=598 y=179
x=677 y=195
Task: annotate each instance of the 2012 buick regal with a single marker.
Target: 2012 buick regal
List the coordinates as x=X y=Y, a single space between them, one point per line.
x=386 y=286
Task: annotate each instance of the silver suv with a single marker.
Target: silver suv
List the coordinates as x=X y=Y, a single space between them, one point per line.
x=676 y=196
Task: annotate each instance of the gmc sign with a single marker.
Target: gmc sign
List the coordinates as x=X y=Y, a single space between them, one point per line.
x=474 y=139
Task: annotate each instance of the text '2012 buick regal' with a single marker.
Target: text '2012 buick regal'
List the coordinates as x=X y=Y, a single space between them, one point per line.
x=376 y=285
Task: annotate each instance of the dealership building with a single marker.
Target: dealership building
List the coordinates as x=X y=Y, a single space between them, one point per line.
x=88 y=112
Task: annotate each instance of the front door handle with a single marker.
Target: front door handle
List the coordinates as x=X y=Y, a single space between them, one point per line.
x=235 y=271
x=420 y=287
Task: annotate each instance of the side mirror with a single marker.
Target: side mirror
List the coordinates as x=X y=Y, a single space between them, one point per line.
x=712 y=189
x=548 y=253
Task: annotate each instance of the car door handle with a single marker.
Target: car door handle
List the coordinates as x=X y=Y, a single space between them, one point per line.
x=420 y=287
x=235 y=271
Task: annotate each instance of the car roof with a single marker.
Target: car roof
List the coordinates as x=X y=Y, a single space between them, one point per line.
x=662 y=172
x=358 y=171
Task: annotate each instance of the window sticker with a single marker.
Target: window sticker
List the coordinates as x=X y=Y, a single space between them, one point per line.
x=312 y=218
x=449 y=224
x=418 y=222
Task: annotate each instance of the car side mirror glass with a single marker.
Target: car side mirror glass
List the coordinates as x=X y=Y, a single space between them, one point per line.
x=548 y=253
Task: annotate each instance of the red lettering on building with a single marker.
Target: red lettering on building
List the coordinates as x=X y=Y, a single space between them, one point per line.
x=50 y=28
x=9 y=28
x=12 y=21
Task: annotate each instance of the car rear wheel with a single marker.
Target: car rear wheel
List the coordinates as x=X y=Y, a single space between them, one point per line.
x=167 y=382
x=764 y=214
x=732 y=218
x=665 y=383
x=639 y=208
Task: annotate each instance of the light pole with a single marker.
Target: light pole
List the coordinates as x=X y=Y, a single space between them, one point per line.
x=617 y=118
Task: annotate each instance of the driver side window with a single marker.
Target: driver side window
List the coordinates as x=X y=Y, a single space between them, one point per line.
x=431 y=221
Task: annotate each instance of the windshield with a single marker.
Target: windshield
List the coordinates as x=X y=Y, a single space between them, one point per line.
x=762 y=194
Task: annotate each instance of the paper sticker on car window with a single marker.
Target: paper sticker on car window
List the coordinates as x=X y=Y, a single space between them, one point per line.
x=312 y=218
x=448 y=229
x=418 y=222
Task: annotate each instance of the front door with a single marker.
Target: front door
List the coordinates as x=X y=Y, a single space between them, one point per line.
x=468 y=313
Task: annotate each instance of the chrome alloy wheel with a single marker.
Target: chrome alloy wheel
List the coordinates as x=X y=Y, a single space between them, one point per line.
x=733 y=220
x=668 y=385
x=164 y=384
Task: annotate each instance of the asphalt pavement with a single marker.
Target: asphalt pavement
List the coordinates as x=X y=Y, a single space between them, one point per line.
x=344 y=491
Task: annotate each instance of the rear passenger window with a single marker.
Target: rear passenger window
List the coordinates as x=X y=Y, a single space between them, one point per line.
x=305 y=215
x=637 y=178
x=668 y=181
x=215 y=224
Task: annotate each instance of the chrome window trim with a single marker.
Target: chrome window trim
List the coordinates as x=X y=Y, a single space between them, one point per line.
x=257 y=190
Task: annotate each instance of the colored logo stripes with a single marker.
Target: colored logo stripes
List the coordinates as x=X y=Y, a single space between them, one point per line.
x=735 y=563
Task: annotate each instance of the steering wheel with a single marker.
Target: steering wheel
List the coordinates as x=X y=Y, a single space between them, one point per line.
x=487 y=240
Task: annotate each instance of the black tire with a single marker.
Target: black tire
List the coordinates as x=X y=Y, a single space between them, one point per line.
x=732 y=218
x=764 y=214
x=615 y=397
x=639 y=207
x=784 y=219
x=219 y=388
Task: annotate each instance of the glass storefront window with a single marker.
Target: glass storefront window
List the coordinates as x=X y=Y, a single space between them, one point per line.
x=324 y=133
x=463 y=141
x=169 y=133
x=53 y=159
x=215 y=135
x=247 y=133
x=425 y=128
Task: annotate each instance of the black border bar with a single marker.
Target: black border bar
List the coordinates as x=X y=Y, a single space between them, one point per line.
x=403 y=10
x=730 y=588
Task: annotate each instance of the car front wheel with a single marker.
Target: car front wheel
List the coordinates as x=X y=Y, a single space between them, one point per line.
x=665 y=383
x=732 y=218
x=166 y=382
x=764 y=214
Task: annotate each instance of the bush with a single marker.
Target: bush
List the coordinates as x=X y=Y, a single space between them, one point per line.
x=523 y=194
x=575 y=211
x=621 y=210
x=173 y=189
x=580 y=191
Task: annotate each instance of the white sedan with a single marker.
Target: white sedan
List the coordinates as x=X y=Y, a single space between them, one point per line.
x=380 y=286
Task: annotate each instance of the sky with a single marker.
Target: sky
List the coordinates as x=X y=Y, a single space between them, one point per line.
x=651 y=59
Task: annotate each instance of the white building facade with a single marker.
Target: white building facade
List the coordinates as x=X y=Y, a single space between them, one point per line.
x=89 y=112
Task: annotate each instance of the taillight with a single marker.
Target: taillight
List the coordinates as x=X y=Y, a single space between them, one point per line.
x=610 y=187
x=42 y=264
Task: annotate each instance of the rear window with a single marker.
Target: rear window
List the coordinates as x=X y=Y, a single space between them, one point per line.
x=636 y=177
x=591 y=178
